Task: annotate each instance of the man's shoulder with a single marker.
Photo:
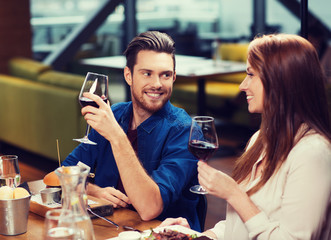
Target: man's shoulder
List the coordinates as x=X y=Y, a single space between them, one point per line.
x=178 y=117
x=120 y=107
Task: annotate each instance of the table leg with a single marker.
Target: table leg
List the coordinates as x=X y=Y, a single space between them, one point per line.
x=201 y=100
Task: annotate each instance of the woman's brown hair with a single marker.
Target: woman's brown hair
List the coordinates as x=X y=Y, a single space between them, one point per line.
x=294 y=93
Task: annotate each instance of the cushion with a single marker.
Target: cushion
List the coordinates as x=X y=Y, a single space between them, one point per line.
x=234 y=51
x=224 y=90
x=61 y=79
x=26 y=68
x=236 y=78
x=185 y=95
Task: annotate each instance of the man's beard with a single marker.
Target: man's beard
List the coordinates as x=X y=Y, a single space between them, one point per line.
x=147 y=106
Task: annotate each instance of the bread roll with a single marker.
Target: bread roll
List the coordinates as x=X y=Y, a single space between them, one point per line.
x=6 y=193
x=52 y=180
x=20 y=192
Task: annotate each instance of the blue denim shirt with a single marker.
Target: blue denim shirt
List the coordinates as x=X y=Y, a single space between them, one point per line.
x=163 y=152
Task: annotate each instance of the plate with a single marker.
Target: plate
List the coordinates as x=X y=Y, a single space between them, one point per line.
x=178 y=228
x=99 y=206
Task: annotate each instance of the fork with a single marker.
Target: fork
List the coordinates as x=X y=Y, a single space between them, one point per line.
x=103 y=218
x=128 y=228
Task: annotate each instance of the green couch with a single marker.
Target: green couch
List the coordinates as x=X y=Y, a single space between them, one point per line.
x=38 y=106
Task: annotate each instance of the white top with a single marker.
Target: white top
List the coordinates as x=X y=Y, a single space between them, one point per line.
x=295 y=203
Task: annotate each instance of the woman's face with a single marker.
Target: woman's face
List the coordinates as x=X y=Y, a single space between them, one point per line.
x=253 y=87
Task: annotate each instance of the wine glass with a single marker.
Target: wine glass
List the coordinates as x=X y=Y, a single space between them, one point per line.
x=59 y=224
x=203 y=142
x=9 y=171
x=97 y=84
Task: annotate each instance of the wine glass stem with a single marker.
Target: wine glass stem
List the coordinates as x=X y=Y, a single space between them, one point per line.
x=87 y=130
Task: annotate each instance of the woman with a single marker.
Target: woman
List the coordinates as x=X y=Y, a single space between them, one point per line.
x=281 y=185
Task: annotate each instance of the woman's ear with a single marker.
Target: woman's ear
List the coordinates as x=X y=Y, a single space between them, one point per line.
x=128 y=76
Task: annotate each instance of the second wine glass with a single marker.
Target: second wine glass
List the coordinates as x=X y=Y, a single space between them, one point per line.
x=9 y=171
x=97 y=84
x=203 y=142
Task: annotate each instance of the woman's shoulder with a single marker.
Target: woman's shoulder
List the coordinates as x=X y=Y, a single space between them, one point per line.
x=312 y=149
x=313 y=140
x=253 y=139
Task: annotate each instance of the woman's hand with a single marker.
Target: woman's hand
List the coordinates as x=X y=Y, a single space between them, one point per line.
x=216 y=182
x=221 y=185
x=175 y=221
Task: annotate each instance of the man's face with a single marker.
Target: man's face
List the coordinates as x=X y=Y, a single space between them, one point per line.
x=152 y=80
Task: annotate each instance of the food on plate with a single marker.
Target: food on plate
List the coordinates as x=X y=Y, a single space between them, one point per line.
x=6 y=193
x=20 y=192
x=168 y=234
x=52 y=180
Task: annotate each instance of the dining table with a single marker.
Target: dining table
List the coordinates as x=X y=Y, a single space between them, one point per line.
x=102 y=229
x=189 y=68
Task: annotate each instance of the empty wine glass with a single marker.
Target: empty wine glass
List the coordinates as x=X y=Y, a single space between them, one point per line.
x=97 y=84
x=59 y=224
x=9 y=171
x=203 y=142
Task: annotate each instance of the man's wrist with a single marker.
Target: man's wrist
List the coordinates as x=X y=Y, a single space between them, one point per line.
x=91 y=189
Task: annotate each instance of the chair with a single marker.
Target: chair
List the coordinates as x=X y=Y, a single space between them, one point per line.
x=221 y=91
x=202 y=210
x=218 y=89
x=233 y=52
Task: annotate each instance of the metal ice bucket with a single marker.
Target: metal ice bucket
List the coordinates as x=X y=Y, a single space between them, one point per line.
x=14 y=216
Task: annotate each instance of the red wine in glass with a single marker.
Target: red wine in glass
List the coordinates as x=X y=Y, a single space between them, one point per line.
x=202 y=150
x=203 y=142
x=84 y=101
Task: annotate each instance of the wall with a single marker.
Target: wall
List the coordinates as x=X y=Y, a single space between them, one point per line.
x=15 y=31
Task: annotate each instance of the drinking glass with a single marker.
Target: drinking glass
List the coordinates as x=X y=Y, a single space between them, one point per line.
x=203 y=142
x=97 y=84
x=9 y=171
x=59 y=225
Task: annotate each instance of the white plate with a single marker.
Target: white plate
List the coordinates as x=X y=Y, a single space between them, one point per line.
x=178 y=228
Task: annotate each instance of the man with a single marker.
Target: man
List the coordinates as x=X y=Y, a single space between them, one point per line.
x=142 y=145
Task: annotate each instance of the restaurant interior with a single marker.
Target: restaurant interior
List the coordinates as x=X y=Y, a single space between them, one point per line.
x=47 y=47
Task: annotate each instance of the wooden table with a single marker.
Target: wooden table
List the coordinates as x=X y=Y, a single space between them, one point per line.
x=191 y=68
x=102 y=229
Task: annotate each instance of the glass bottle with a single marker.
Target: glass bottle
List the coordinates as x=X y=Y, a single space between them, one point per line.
x=216 y=55
x=74 y=198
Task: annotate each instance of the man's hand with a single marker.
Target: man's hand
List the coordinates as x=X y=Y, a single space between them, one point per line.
x=101 y=119
x=112 y=195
